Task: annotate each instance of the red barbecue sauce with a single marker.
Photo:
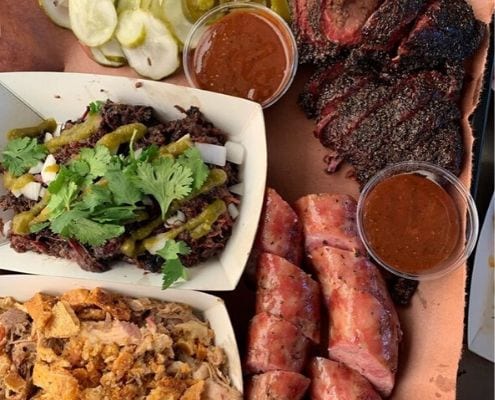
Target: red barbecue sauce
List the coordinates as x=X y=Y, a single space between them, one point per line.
x=411 y=223
x=243 y=54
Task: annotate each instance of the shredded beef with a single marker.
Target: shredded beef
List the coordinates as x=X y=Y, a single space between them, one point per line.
x=116 y=114
x=18 y=204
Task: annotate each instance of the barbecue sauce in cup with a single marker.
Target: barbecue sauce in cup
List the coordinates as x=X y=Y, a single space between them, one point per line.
x=248 y=52
x=411 y=223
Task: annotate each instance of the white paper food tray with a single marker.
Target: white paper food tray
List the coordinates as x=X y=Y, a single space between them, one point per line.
x=65 y=96
x=23 y=287
x=481 y=297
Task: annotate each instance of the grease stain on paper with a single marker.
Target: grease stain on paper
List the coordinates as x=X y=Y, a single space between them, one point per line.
x=444 y=384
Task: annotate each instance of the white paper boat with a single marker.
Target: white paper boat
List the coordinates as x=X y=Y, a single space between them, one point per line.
x=481 y=297
x=65 y=95
x=23 y=287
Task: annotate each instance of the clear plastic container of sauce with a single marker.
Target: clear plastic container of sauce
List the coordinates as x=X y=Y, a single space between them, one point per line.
x=417 y=220
x=241 y=49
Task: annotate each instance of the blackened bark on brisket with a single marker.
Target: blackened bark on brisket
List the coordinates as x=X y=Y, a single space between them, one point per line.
x=312 y=45
x=388 y=23
x=408 y=141
x=332 y=127
x=314 y=87
x=447 y=31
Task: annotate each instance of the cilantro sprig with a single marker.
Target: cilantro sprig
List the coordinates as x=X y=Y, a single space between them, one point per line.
x=172 y=268
x=21 y=154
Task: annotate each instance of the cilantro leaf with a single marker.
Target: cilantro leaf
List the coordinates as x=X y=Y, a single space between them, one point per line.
x=123 y=187
x=97 y=158
x=172 y=268
x=191 y=158
x=172 y=271
x=165 y=180
x=75 y=224
x=21 y=154
x=95 y=107
x=95 y=196
x=116 y=214
x=63 y=199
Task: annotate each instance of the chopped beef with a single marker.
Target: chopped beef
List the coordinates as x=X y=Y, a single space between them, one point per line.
x=110 y=250
x=197 y=126
x=117 y=114
x=447 y=30
x=17 y=204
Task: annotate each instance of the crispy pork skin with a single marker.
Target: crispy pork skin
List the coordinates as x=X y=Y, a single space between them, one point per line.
x=285 y=291
x=280 y=231
x=275 y=344
x=277 y=385
x=364 y=326
x=329 y=220
x=331 y=380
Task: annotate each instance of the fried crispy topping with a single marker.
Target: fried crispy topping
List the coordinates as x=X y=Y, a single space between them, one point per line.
x=97 y=345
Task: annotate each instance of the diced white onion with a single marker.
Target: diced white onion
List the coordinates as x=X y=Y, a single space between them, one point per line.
x=31 y=190
x=17 y=192
x=176 y=219
x=48 y=136
x=57 y=131
x=235 y=152
x=233 y=210
x=36 y=169
x=238 y=188
x=46 y=174
x=7 y=226
x=212 y=153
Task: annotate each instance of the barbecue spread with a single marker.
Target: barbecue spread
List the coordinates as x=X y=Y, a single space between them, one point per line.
x=94 y=344
x=118 y=184
x=411 y=223
x=388 y=81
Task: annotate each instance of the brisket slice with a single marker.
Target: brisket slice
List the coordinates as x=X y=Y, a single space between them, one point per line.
x=335 y=92
x=314 y=87
x=386 y=26
x=313 y=46
x=414 y=139
x=448 y=30
x=341 y=20
x=411 y=93
x=332 y=127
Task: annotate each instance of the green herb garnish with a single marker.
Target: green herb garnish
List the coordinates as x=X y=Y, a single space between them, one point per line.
x=172 y=268
x=22 y=154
